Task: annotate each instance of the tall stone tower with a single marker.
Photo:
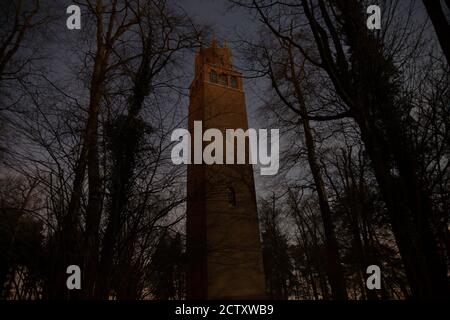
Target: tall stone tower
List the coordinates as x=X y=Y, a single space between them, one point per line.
x=223 y=241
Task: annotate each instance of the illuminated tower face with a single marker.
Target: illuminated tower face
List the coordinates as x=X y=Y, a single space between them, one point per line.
x=223 y=241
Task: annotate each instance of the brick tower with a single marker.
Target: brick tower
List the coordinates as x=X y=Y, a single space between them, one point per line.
x=223 y=242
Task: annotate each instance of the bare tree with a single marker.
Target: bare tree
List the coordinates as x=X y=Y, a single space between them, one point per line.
x=365 y=78
x=440 y=23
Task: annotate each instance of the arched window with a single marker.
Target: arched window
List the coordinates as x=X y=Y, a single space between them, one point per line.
x=223 y=79
x=213 y=76
x=234 y=82
x=231 y=197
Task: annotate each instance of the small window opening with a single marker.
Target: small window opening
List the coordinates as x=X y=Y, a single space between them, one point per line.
x=231 y=197
x=234 y=82
x=223 y=79
x=213 y=76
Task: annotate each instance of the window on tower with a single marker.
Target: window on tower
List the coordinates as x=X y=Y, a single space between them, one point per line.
x=213 y=76
x=223 y=79
x=234 y=82
x=231 y=197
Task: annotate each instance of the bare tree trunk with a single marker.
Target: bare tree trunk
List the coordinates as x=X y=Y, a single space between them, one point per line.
x=355 y=204
x=309 y=276
x=409 y=205
x=89 y=159
x=95 y=198
x=157 y=53
x=440 y=23
x=334 y=268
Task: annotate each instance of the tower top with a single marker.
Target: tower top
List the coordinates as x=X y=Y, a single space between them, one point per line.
x=215 y=55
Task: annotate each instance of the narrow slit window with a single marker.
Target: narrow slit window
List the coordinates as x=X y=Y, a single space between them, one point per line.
x=231 y=197
x=234 y=82
x=223 y=79
x=213 y=76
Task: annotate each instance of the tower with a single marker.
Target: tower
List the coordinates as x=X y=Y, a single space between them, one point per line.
x=223 y=241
